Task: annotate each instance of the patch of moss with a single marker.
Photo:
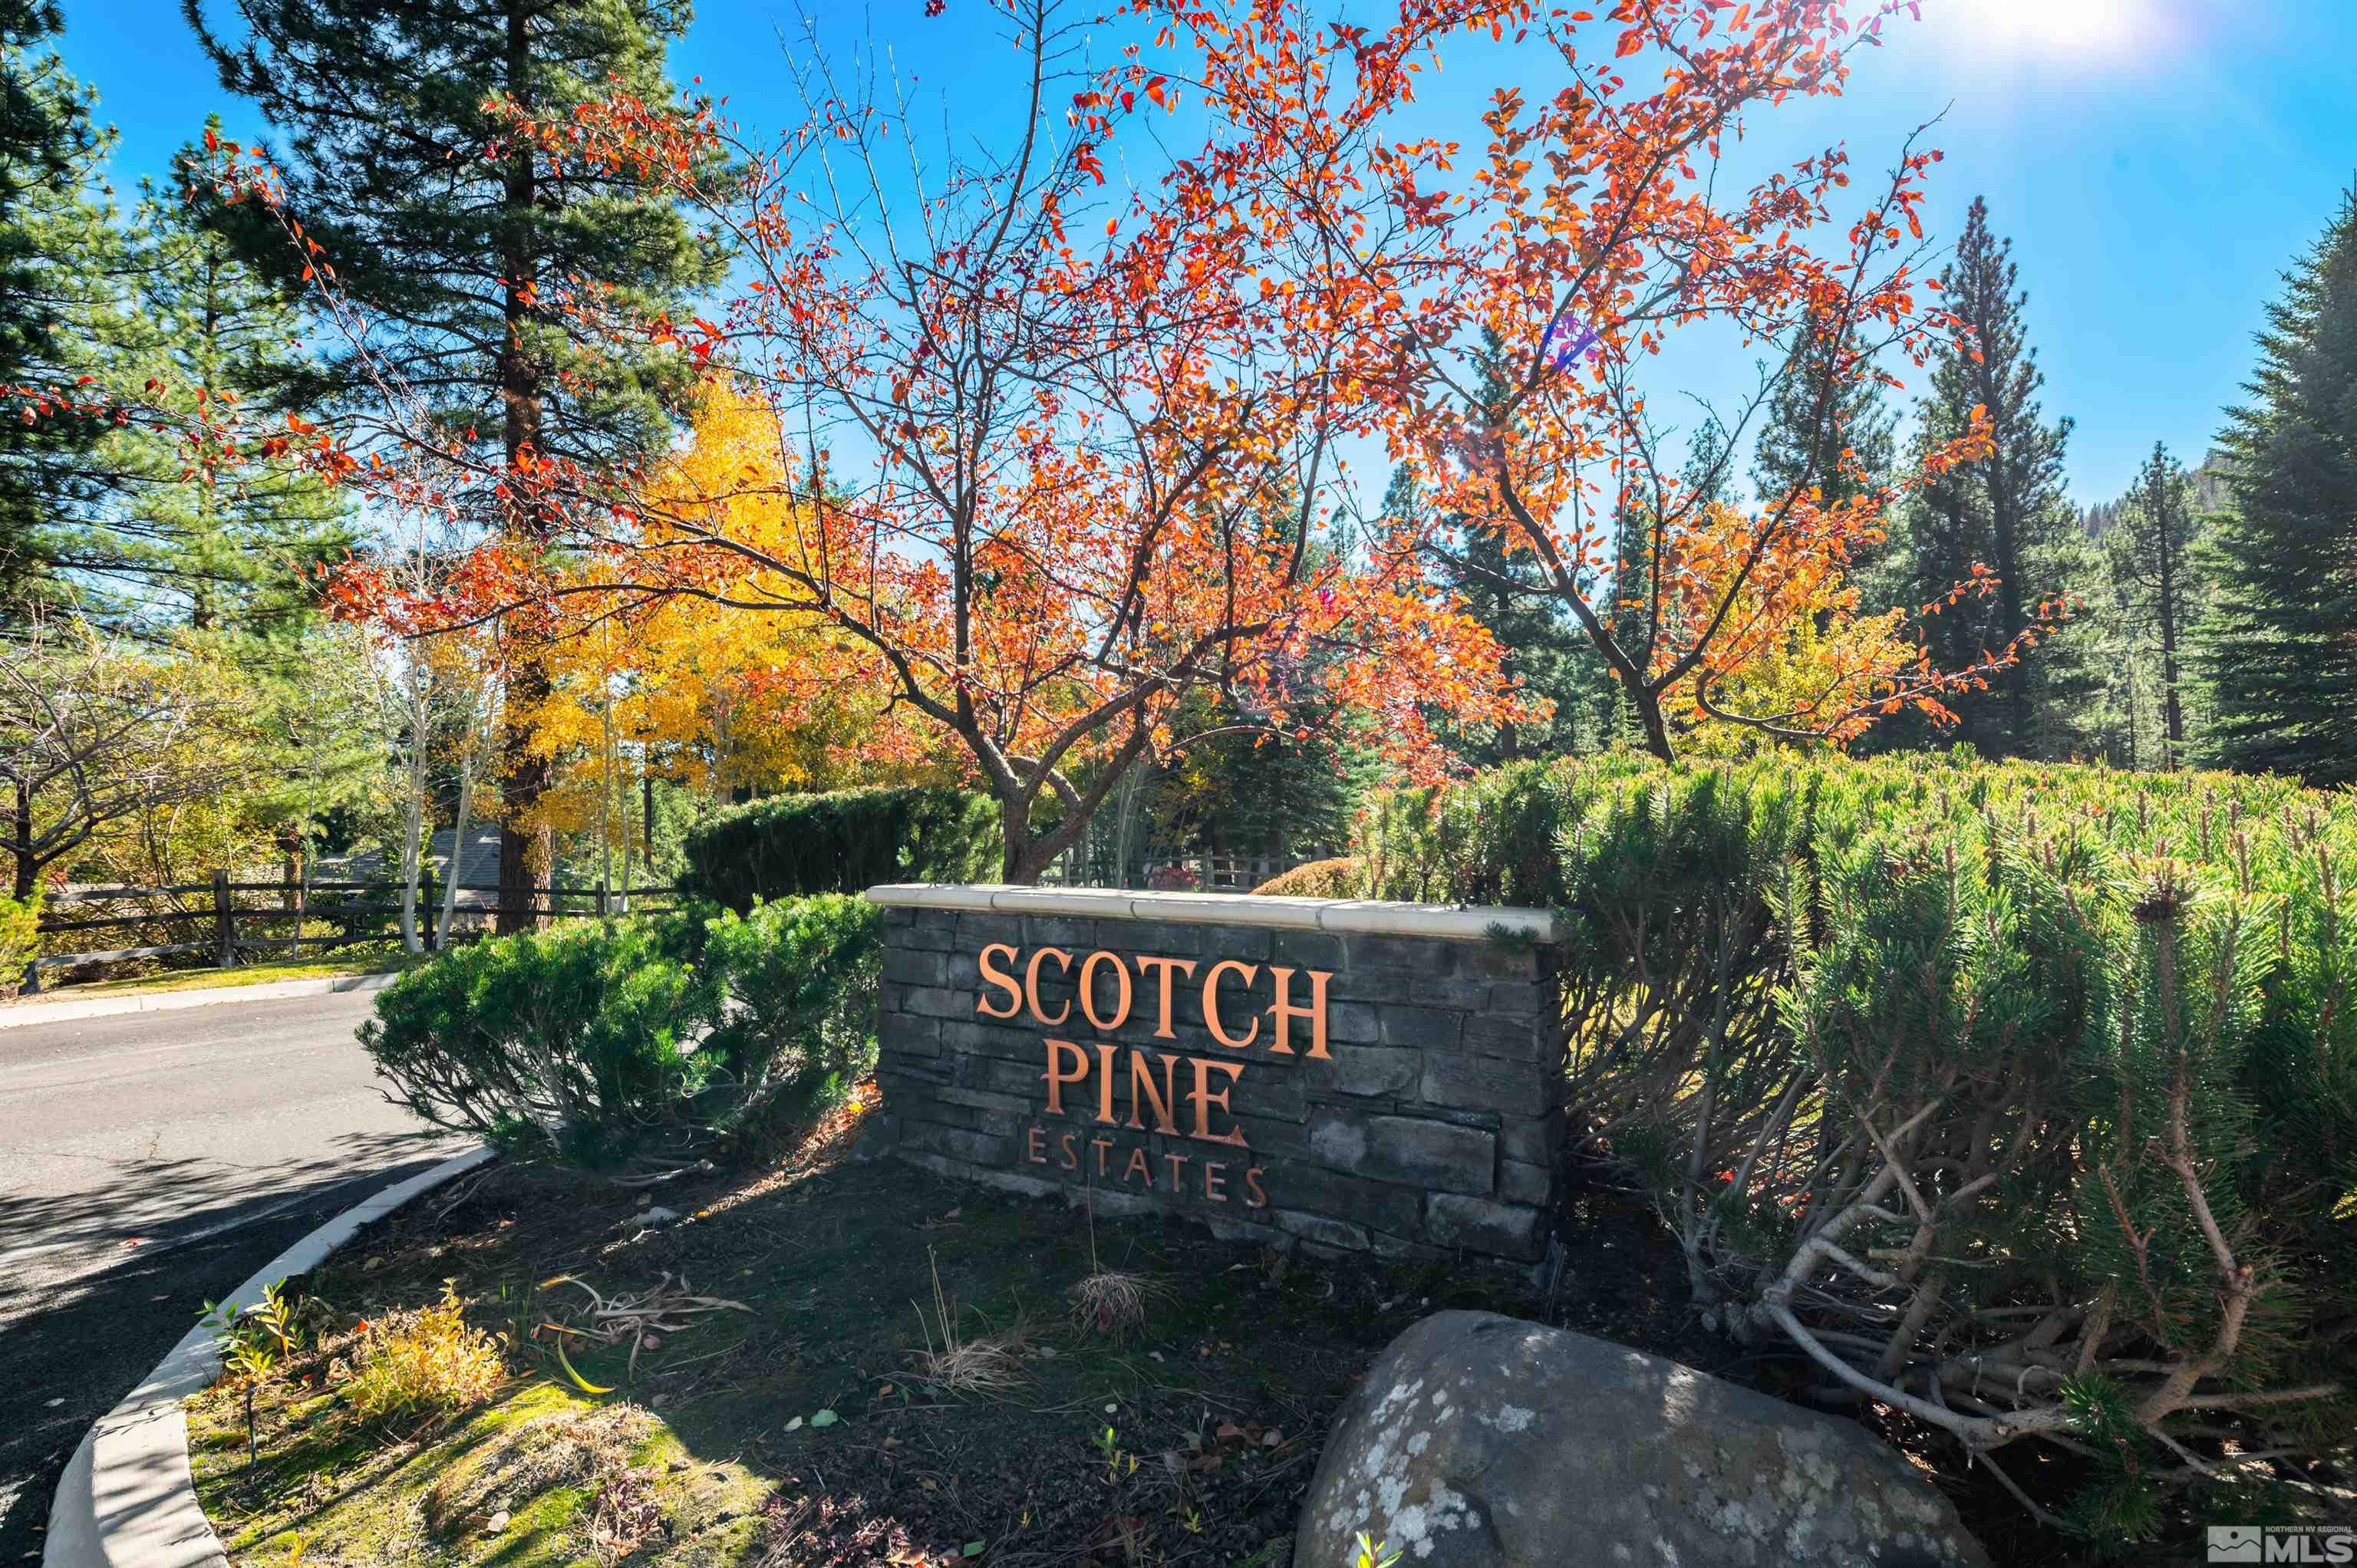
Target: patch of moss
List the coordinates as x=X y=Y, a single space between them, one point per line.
x=519 y=1482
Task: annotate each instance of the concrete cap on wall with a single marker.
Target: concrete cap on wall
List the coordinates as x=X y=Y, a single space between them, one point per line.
x=1355 y=917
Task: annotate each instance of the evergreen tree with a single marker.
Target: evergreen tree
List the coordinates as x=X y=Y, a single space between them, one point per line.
x=458 y=242
x=1813 y=416
x=1547 y=653
x=54 y=259
x=2006 y=511
x=2278 y=653
x=2150 y=552
x=229 y=546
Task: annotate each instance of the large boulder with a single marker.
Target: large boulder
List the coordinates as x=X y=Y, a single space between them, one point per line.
x=1481 y=1440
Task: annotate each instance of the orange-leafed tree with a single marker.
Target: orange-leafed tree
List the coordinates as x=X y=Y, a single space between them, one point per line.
x=1539 y=277
x=1062 y=448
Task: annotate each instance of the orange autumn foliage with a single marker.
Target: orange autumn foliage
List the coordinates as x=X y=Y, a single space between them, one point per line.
x=1536 y=276
x=1063 y=450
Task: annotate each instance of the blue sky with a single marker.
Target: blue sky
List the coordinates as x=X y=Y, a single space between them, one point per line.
x=2158 y=163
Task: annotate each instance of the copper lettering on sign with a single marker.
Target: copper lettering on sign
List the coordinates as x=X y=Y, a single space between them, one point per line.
x=1126 y=1089
x=1243 y=971
x=1003 y=979
x=1089 y=991
x=1160 y=969
x=1032 y=984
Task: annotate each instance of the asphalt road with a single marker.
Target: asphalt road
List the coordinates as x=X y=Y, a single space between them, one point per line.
x=150 y=1163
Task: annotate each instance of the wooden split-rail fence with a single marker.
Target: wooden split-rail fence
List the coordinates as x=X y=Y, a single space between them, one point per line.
x=221 y=920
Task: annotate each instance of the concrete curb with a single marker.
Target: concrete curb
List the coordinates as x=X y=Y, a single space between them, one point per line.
x=171 y=1000
x=127 y=1498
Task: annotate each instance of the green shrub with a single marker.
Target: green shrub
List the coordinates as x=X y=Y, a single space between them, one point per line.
x=684 y=1033
x=1340 y=877
x=844 y=842
x=426 y=1363
x=2019 y=1100
x=20 y=939
x=575 y=1042
x=798 y=1028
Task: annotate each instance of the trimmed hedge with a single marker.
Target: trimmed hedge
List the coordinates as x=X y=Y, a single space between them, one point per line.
x=845 y=841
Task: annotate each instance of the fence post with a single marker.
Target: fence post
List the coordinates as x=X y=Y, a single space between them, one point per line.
x=224 y=921
x=601 y=900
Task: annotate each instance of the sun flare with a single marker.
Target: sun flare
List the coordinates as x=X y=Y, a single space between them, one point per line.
x=2046 y=27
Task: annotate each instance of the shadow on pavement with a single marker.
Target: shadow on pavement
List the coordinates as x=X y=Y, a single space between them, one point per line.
x=73 y=1344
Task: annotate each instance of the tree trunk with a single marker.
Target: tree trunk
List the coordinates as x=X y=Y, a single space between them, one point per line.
x=457 y=854
x=2172 y=707
x=413 y=812
x=523 y=777
x=1022 y=863
x=2005 y=529
x=1657 y=730
x=21 y=845
x=606 y=806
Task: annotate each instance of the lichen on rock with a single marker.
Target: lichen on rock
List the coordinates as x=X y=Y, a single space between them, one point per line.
x=1478 y=1441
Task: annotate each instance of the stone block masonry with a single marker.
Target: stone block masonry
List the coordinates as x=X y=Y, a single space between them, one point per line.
x=1341 y=1074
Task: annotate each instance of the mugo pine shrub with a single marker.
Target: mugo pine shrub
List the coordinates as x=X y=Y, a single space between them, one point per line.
x=664 y=1036
x=2020 y=1099
x=797 y=1027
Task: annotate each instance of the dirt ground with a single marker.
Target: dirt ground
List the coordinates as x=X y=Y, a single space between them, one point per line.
x=813 y=1429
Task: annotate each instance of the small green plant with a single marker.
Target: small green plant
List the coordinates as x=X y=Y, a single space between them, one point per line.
x=258 y=1341
x=269 y=1333
x=1108 y=1448
x=423 y=1364
x=1373 y=1554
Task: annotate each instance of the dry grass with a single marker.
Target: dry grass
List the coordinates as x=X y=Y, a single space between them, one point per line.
x=1111 y=1302
x=625 y=1514
x=992 y=1364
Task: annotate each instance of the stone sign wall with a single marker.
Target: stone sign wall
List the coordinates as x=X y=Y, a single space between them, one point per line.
x=1354 y=1074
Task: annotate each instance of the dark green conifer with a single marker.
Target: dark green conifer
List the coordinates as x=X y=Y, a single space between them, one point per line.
x=53 y=240
x=2007 y=512
x=391 y=123
x=2278 y=653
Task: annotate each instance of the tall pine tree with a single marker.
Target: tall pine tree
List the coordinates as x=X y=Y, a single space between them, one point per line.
x=2278 y=653
x=458 y=242
x=2006 y=511
x=1798 y=444
x=230 y=546
x=54 y=259
x=2156 y=587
